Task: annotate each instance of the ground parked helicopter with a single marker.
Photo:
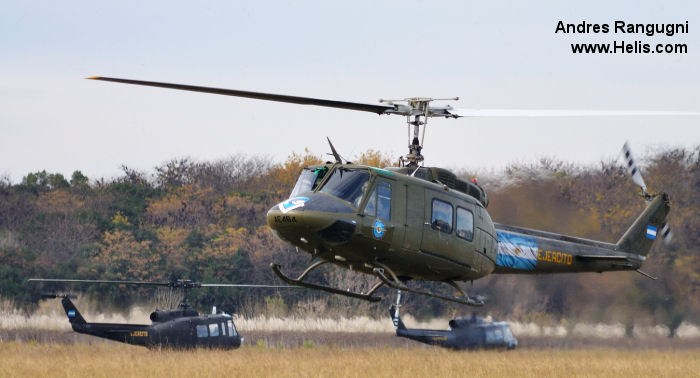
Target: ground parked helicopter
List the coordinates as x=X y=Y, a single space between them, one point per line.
x=178 y=328
x=423 y=223
x=463 y=333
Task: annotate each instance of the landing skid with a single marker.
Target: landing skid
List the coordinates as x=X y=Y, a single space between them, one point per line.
x=299 y=282
x=395 y=283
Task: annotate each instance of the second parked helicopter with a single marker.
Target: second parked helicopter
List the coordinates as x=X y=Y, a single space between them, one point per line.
x=177 y=328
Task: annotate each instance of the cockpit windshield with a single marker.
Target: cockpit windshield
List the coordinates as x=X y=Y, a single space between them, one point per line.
x=508 y=334
x=347 y=184
x=308 y=180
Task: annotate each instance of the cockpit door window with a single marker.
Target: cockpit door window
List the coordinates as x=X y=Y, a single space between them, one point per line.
x=379 y=202
x=441 y=218
x=494 y=335
x=202 y=330
x=371 y=207
x=384 y=200
x=465 y=224
x=213 y=330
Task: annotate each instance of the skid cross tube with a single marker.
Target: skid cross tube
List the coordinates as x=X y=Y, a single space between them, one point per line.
x=299 y=282
x=398 y=285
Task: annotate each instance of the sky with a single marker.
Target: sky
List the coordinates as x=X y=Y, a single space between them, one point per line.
x=490 y=54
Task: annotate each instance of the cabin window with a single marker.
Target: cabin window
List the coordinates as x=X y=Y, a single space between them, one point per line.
x=202 y=330
x=379 y=202
x=308 y=180
x=347 y=184
x=494 y=335
x=465 y=224
x=213 y=330
x=441 y=218
x=223 y=329
x=231 y=329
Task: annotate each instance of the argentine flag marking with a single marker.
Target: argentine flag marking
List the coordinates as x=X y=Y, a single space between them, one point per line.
x=71 y=313
x=651 y=232
x=516 y=251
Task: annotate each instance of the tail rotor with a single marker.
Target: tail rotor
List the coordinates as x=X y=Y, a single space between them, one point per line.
x=633 y=171
x=637 y=178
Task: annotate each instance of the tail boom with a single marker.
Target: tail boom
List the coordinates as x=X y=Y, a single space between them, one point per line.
x=522 y=250
x=135 y=334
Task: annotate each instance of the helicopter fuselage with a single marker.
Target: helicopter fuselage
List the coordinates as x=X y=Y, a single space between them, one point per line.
x=169 y=329
x=362 y=217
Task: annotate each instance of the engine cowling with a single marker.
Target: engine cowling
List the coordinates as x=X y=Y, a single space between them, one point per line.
x=465 y=322
x=159 y=316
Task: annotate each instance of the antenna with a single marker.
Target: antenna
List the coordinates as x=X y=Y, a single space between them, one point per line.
x=336 y=155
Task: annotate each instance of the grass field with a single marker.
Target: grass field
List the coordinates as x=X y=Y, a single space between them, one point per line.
x=77 y=360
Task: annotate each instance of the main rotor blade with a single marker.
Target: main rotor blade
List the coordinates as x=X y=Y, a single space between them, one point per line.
x=245 y=285
x=99 y=281
x=563 y=113
x=174 y=284
x=379 y=109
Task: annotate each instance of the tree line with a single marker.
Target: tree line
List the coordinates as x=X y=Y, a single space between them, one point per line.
x=205 y=221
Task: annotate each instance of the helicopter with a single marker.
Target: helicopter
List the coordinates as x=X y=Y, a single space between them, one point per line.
x=179 y=328
x=463 y=333
x=419 y=223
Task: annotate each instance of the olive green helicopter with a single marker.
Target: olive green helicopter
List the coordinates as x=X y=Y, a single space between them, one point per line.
x=418 y=223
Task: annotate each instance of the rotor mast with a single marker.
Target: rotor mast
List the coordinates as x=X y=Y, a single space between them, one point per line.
x=417 y=111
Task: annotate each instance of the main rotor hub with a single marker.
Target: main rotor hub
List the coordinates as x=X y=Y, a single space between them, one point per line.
x=417 y=111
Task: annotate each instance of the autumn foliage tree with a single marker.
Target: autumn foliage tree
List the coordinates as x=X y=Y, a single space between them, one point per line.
x=206 y=221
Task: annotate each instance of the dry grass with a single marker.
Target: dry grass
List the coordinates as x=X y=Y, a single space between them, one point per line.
x=50 y=315
x=35 y=359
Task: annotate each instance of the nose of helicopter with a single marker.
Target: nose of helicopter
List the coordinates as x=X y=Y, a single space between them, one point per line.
x=310 y=220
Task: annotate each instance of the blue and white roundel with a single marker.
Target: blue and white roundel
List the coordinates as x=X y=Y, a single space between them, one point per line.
x=378 y=229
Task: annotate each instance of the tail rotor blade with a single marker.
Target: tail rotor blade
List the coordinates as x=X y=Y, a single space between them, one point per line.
x=632 y=169
x=666 y=233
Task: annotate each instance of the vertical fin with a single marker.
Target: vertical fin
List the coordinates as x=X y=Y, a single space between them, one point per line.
x=72 y=312
x=398 y=323
x=647 y=227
